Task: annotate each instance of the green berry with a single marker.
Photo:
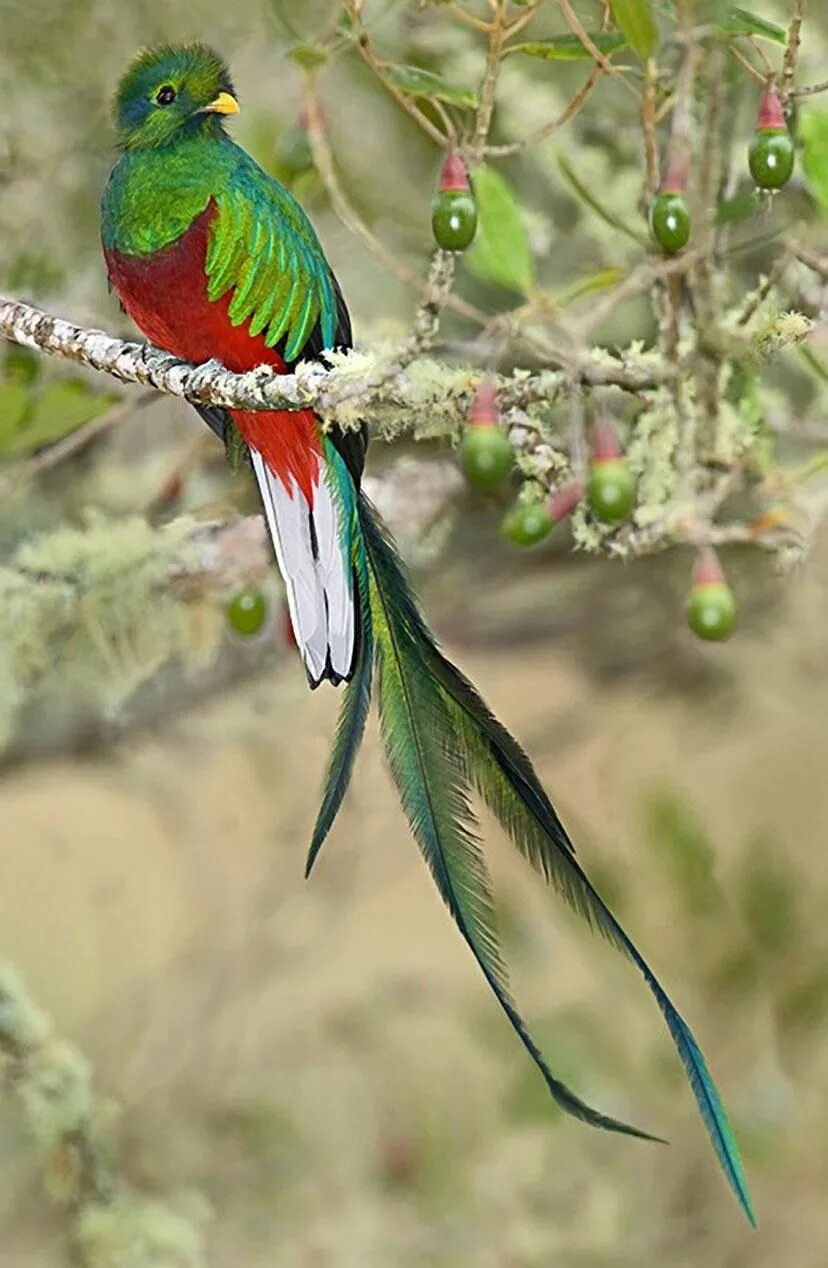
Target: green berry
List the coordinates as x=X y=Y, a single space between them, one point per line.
x=454 y=219
x=711 y=611
x=486 y=455
x=670 y=222
x=527 y=524
x=247 y=612
x=771 y=157
x=611 y=489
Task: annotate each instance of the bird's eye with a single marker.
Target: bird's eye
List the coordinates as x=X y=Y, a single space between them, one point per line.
x=166 y=95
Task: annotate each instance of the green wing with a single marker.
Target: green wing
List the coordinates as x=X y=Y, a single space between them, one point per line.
x=263 y=248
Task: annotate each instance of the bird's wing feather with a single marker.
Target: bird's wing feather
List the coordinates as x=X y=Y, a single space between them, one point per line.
x=264 y=249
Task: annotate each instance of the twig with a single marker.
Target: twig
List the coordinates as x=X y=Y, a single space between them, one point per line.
x=479 y=24
x=379 y=68
x=648 y=125
x=546 y=130
x=639 y=280
x=791 y=57
x=323 y=161
x=595 y=53
x=763 y=57
x=747 y=65
x=703 y=276
x=483 y=122
x=762 y=292
x=810 y=90
x=819 y=263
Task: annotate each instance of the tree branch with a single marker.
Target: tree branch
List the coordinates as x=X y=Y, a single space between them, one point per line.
x=353 y=388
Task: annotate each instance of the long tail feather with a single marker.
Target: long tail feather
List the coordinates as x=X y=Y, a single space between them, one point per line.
x=486 y=755
x=429 y=771
x=352 y=718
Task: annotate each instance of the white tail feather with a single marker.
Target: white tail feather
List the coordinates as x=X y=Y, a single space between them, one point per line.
x=318 y=585
x=335 y=574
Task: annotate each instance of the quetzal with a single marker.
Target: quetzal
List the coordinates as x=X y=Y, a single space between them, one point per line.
x=213 y=258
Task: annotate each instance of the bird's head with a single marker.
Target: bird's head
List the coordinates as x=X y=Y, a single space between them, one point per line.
x=166 y=92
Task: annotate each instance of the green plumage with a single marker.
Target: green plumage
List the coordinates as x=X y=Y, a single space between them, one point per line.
x=262 y=246
x=442 y=740
x=356 y=702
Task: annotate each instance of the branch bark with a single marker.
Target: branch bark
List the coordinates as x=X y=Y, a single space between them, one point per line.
x=333 y=392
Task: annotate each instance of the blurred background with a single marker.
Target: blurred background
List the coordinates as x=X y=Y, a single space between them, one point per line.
x=314 y=1074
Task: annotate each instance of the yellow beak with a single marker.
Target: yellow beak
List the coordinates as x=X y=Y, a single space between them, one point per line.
x=225 y=103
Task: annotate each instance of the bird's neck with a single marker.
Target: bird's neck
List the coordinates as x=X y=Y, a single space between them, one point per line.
x=154 y=195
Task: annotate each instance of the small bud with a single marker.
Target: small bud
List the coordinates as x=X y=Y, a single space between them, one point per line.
x=674 y=180
x=453 y=175
x=771 y=115
x=484 y=408
x=707 y=570
x=605 y=442
x=565 y=499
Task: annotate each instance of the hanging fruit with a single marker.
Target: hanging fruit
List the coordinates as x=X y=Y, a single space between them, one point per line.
x=610 y=485
x=247 y=612
x=711 y=607
x=528 y=523
x=771 y=153
x=670 y=220
x=485 y=453
x=454 y=210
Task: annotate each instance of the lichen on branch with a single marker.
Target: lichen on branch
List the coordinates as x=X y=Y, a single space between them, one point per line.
x=50 y=1081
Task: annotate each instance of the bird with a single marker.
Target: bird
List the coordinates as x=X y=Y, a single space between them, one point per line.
x=214 y=259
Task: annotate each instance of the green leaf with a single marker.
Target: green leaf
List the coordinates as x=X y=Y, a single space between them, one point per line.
x=592 y=201
x=569 y=48
x=57 y=411
x=742 y=22
x=813 y=134
x=15 y=399
x=416 y=82
x=635 y=21
x=595 y=282
x=500 y=252
x=21 y=365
